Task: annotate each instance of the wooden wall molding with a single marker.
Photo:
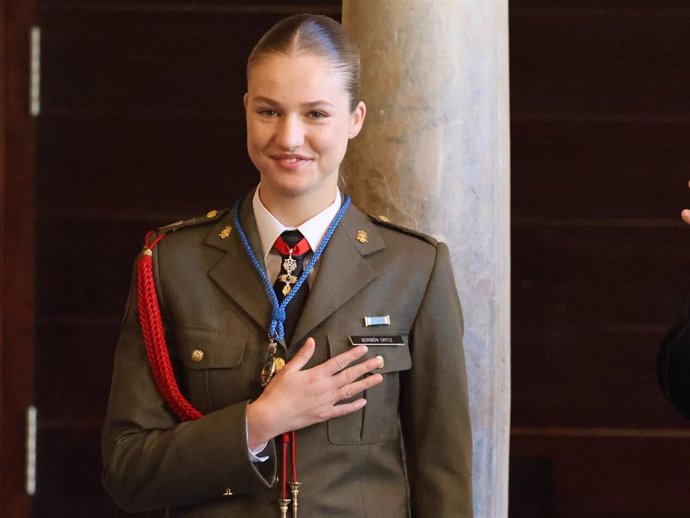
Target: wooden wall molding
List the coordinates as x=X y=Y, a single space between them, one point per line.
x=16 y=252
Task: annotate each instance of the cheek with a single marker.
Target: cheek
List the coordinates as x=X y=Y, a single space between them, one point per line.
x=331 y=138
x=257 y=135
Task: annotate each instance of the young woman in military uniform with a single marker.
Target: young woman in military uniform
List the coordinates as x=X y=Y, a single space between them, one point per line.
x=292 y=355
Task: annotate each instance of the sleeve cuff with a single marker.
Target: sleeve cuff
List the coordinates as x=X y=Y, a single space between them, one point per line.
x=254 y=454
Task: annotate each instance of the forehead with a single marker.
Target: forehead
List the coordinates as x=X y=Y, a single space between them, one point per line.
x=296 y=77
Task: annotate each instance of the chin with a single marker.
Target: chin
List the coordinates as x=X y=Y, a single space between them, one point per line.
x=290 y=187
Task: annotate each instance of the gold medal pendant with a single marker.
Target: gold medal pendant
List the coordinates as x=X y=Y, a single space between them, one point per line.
x=278 y=363
x=267 y=372
x=272 y=364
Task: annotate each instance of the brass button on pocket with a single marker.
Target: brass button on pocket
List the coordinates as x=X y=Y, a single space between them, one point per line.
x=197 y=355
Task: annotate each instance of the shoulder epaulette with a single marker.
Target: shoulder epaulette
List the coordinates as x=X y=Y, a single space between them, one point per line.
x=210 y=217
x=385 y=222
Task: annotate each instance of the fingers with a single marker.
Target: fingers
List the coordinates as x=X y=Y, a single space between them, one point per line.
x=348 y=408
x=685 y=215
x=355 y=372
x=302 y=356
x=348 y=391
x=341 y=361
x=352 y=389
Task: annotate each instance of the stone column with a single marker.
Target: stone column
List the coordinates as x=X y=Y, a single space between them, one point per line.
x=435 y=155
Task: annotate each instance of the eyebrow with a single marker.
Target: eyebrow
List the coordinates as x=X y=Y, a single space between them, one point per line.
x=311 y=104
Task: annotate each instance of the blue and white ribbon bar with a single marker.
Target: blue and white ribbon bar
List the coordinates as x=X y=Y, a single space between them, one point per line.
x=383 y=320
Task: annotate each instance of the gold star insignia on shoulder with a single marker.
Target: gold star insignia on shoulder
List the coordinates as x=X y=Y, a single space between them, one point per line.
x=225 y=233
x=362 y=236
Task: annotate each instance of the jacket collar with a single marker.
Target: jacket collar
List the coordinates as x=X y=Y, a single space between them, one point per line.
x=343 y=270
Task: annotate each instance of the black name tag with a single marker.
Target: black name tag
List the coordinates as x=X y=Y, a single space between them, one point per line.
x=377 y=340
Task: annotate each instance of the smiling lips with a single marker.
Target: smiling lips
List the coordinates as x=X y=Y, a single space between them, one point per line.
x=290 y=161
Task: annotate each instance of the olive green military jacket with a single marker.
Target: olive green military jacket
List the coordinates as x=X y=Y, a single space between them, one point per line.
x=407 y=453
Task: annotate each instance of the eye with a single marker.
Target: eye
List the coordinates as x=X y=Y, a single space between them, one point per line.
x=268 y=112
x=315 y=114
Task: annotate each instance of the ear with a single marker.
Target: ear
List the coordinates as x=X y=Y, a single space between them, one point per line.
x=245 y=100
x=357 y=119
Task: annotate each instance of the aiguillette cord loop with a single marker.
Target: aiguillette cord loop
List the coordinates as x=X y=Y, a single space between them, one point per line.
x=154 y=334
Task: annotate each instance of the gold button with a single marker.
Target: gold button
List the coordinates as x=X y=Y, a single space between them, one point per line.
x=212 y=214
x=197 y=355
x=384 y=219
x=228 y=492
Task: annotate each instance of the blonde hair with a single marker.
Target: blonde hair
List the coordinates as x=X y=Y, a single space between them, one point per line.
x=313 y=34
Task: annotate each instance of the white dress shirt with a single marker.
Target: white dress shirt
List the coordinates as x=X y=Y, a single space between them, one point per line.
x=314 y=229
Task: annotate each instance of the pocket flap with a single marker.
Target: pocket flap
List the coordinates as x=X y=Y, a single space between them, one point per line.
x=210 y=349
x=395 y=357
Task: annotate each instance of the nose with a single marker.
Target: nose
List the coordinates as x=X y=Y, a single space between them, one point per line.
x=289 y=132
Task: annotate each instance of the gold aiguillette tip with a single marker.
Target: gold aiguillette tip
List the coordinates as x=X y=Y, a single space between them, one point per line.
x=283 y=503
x=294 y=486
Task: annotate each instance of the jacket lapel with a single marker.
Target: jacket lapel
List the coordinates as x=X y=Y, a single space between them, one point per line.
x=343 y=270
x=234 y=273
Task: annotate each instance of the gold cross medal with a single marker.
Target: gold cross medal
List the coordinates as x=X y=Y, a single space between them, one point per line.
x=289 y=265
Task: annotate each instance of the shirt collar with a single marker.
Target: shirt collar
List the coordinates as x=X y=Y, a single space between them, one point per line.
x=313 y=229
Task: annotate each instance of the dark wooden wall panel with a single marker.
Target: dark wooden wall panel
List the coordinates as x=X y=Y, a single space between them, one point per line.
x=600 y=95
x=16 y=253
x=616 y=476
x=599 y=275
x=568 y=6
x=284 y=7
x=618 y=387
x=75 y=401
x=70 y=456
x=111 y=158
x=142 y=124
x=195 y=62
x=608 y=62
x=89 y=268
x=599 y=169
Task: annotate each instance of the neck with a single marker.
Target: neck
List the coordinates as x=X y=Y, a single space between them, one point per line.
x=292 y=211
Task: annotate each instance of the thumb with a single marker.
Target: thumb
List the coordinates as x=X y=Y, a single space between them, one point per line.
x=302 y=356
x=685 y=215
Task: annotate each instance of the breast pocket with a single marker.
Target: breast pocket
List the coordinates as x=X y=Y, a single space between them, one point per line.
x=215 y=367
x=378 y=420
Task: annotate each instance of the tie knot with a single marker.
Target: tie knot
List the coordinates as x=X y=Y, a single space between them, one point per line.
x=292 y=239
